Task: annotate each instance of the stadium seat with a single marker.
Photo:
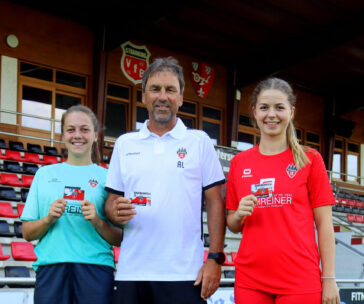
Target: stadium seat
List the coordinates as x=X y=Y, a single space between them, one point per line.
x=27 y=180
x=350 y=218
x=32 y=158
x=10 y=179
x=6 y=210
x=205 y=254
x=30 y=168
x=8 y=194
x=116 y=251
x=34 y=148
x=359 y=204
x=5 y=230
x=18 y=229
x=234 y=254
x=22 y=251
x=20 y=208
x=24 y=194
x=2 y=144
x=3 y=257
x=16 y=145
x=12 y=155
x=50 y=159
x=17 y=272
x=206 y=240
x=359 y=219
x=11 y=166
x=227 y=262
x=51 y=150
x=229 y=274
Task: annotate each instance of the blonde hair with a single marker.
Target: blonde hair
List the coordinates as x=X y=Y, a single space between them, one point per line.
x=298 y=151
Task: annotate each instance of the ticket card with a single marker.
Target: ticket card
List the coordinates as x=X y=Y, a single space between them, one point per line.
x=73 y=193
x=262 y=190
x=141 y=198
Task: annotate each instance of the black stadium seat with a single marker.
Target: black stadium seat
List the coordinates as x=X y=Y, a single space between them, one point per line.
x=12 y=166
x=51 y=150
x=2 y=144
x=24 y=194
x=5 y=230
x=8 y=194
x=16 y=145
x=18 y=229
x=30 y=168
x=34 y=148
x=17 y=272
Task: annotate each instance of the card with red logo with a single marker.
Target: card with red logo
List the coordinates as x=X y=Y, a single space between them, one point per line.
x=73 y=193
x=262 y=190
x=141 y=198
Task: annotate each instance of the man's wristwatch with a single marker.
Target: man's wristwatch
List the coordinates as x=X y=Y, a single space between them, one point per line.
x=219 y=257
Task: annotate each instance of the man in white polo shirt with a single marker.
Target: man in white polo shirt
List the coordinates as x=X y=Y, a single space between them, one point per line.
x=157 y=180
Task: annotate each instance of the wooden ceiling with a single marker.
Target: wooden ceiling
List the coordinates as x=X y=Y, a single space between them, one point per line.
x=317 y=45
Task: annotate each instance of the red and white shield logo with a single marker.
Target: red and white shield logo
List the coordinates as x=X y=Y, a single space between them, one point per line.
x=134 y=61
x=202 y=78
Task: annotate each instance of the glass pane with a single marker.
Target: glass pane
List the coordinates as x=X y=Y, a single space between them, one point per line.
x=189 y=122
x=71 y=80
x=36 y=102
x=336 y=165
x=245 y=141
x=142 y=115
x=188 y=107
x=338 y=144
x=63 y=102
x=315 y=138
x=118 y=91
x=352 y=167
x=115 y=119
x=213 y=130
x=139 y=96
x=211 y=113
x=35 y=71
x=353 y=147
x=299 y=133
x=245 y=121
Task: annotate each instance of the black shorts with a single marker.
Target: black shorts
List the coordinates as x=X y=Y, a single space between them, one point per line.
x=72 y=283
x=156 y=292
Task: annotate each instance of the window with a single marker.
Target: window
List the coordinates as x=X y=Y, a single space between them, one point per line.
x=212 y=123
x=188 y=114
x=313 y=140
x=48 y=93
x=352 y=162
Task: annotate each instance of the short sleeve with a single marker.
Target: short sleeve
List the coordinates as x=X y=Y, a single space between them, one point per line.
x=31 y=208
x=319 y=188
x=231 y=201
x=212 y=173
x=114 y=182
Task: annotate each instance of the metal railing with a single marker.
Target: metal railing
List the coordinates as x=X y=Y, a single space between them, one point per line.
x=52 y=131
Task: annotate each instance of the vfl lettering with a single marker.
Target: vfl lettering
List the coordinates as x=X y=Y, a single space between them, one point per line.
x=180 y=164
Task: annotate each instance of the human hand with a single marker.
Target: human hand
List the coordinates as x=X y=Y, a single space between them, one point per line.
x=209 y=275
x=330 y=292
x=246 y=207
x=123 y=210
x=56 y=210
x=89 y=212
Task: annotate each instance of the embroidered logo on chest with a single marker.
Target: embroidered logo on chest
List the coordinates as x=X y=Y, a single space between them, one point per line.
x=291 y=170
x=181 y=152
x=93 y=182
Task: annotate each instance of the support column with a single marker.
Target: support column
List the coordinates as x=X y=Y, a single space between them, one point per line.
x=233 y=106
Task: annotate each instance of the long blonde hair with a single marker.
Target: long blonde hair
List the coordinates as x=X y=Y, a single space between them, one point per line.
x=298 y=151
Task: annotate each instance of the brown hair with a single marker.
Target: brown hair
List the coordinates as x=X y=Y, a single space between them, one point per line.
x=298 y=151
x=95 y=153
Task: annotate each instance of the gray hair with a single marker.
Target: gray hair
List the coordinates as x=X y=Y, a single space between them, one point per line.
x=169 y=64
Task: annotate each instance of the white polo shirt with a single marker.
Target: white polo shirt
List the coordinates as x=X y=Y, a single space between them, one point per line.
x=166 y=175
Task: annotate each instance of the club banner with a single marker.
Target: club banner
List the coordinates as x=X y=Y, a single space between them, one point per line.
x=134 y=61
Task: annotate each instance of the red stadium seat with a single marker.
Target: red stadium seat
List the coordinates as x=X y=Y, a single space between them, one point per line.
x=205 y=254
x=359 y=204
x=116 y=254
x=350 y=217
x=10 y=179
x=234 y=254
x=359 y=219
x=6 y=210
x=23 y=251
x=20 y=208
x=2 y=256
x=12 y=155
x=27 y=180
x=50 y=159
x=227 y=262
x=351 y=203
x=32 y=158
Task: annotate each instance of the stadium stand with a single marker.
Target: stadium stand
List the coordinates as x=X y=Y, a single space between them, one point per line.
x=9 y=194
x=30 y=168
x=23 y=251
x=33 y=158
x=3 y=257
x=5 y=230
x=34 y=148
x=51 y=151
x=18 y=229
x=24 y=194
x=11 y=166
x=6 y=210
x=18 y=272
x=10 y=179
x=26 y=180
x=16 y=145
x=12 y=155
